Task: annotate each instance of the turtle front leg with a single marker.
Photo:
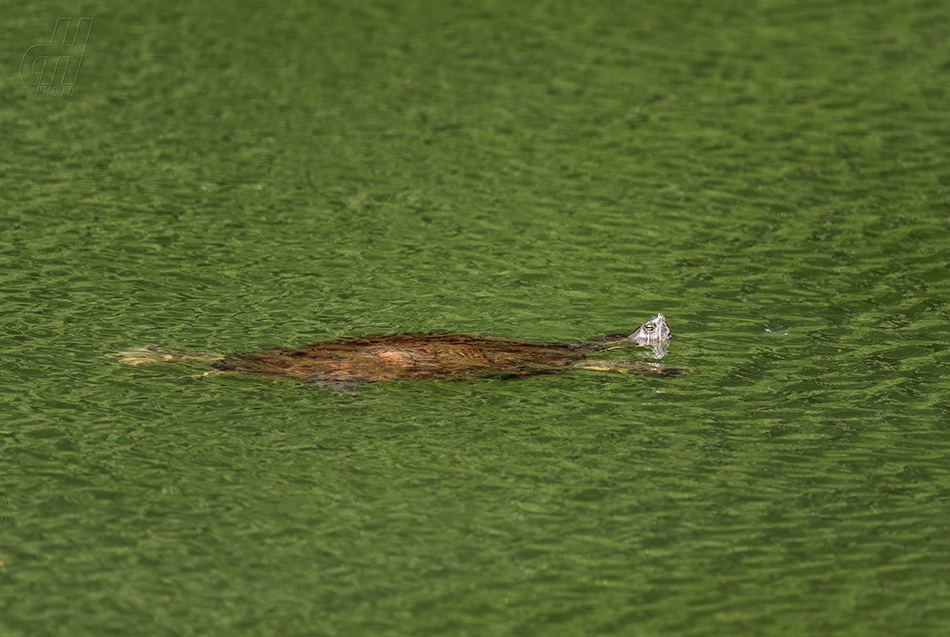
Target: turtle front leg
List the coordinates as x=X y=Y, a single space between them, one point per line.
x=641 y=368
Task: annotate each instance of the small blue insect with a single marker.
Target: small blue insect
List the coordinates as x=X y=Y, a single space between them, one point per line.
x=767 y=329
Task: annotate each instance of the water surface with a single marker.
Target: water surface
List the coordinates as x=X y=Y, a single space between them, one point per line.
x=771 y=177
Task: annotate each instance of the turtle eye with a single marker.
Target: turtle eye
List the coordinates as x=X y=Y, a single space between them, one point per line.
x=650 y=327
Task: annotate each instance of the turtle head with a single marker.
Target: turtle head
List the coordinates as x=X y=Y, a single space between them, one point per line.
x=654 y=333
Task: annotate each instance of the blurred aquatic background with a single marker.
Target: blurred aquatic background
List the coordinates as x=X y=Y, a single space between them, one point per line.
x=772 y=176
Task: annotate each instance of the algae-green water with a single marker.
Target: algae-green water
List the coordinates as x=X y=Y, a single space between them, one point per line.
x=772 y=176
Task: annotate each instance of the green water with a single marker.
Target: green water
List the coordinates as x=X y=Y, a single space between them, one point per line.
x=772 y=176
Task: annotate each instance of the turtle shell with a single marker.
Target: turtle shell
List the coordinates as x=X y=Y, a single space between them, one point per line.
x=390 y=357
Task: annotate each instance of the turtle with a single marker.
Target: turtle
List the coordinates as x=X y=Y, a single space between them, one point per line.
x=341 y=365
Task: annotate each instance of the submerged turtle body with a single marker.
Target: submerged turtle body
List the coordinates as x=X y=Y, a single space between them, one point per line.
x=341 y=365
x=389 y=357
